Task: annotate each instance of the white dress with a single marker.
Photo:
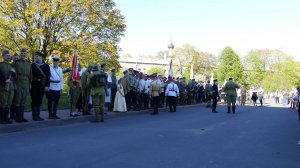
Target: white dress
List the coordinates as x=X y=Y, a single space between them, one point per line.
x=120 y=102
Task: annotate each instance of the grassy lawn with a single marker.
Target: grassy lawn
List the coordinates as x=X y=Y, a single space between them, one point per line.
x=64 y=102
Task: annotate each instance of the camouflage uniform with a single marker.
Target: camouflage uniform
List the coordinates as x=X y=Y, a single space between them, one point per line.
x=230 y=89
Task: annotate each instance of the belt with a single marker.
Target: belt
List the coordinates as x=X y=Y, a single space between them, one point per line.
x=51 y=81
x=37 y=79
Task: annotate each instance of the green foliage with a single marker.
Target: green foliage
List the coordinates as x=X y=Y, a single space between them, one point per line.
x=254 y=65
x=157 y=69
x=58 y=27
x=230 y=66
x=285 y=76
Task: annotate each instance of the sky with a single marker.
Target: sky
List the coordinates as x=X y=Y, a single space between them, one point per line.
x=211 y=25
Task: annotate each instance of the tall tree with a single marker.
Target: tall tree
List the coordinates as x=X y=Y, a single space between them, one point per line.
x=255 y=68
x=94 y=26
x=230 y=66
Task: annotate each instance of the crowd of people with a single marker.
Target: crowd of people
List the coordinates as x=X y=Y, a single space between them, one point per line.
x=97 y=88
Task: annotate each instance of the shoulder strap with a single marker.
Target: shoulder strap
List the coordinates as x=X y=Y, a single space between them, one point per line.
x=39 y=68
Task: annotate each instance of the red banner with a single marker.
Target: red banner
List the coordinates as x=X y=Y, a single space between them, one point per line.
x=75 y=69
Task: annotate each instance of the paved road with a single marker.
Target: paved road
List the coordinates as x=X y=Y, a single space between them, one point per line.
x=193 y=137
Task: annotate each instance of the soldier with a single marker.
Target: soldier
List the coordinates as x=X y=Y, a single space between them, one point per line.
x=22 y=85
x=113 y=88
x=56 y=87
x=40 y=83
x=12 y=115
x=98 y=82
x=230 y=89
x=86 y=90
x=243 y=95
x=144 y=92
x=208 y=89
x=74 y=91
x=215 y=95
x=7 y=72
x=155 y=90
x=172 y=92
x=132 y=93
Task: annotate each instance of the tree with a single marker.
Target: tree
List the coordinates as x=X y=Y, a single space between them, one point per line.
x=230 y=66
x=93 y=26
x=255 y=68
x=161 y=54
x=285 y=76
x=157 y=69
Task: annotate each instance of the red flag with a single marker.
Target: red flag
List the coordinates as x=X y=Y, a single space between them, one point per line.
x=75 y=69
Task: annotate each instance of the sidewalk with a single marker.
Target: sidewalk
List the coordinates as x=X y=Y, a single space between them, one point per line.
x=66 y=119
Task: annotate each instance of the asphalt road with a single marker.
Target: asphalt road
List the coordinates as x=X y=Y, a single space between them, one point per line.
x=193 y=137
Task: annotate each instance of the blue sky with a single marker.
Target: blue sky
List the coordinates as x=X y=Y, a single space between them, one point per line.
x=211 y=25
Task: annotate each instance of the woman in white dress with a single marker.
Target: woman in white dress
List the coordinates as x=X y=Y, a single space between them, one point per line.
x=120 y=102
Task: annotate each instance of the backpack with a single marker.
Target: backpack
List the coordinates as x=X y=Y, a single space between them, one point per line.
x=99 y=80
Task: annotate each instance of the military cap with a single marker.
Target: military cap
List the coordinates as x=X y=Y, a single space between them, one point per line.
x=183 y=78
x=40 y=54
x=230 y=78
x=130 y=69
x=124 y=72
x=113 y=70
x=16 y=54
x=215 y=80
x=23 y=50
x=55 y=58
x=135 y=71
x=103 y=64
x=5 y=52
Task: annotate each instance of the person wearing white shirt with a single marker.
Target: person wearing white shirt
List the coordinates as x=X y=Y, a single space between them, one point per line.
x=55 y=89
x=172 y=92
x=143 y=89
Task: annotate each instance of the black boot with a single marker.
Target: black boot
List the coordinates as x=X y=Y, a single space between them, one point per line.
x=38 y=113
x=22 y=109
x=5 y=116
x=170 y=108
x=50 y=111
x=233 y=109
x=174 y=109
x=228 y=109
x=2 y=114
x=18 y=114
x=12 y=112
x=55 y=112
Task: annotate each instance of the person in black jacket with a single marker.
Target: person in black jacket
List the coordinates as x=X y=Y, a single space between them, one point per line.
x=215 y=96
x=40 y=83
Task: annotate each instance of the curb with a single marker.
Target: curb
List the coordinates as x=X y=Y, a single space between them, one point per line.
x=18 y=127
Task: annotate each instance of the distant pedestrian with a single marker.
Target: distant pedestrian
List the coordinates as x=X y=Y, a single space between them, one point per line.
x=254 y=98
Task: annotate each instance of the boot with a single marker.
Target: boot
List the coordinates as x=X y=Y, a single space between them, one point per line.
x=50 y=111
x=233 y=109
x=55 y=112
x=101 y=114
x=22 y=109
x=5 y=116
x=228 y=109
x=2 y=114
x=170 y=108
x=18 y=114
x=12 y=112
x=36 y=113
x=97 y=115
x=174 y=109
